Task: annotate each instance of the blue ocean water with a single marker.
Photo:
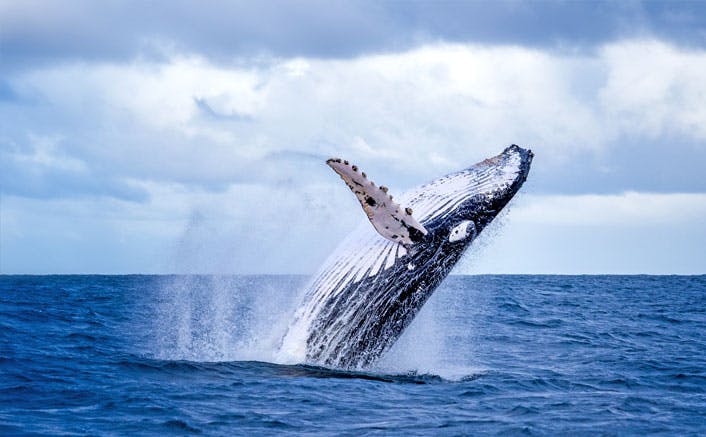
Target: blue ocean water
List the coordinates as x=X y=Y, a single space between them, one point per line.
x=144 y=355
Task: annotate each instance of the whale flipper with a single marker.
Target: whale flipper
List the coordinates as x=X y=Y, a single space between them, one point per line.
x=387 y=217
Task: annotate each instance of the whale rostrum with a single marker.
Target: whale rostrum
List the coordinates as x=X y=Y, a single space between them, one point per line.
x=387 y=217
x=373 y=285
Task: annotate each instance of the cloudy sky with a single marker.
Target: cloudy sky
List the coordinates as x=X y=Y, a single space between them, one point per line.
x=191 y=136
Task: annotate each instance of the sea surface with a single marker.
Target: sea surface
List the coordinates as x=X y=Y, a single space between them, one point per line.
x=536 y=355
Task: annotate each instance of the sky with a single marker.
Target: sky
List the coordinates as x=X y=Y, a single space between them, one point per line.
x=190 y=137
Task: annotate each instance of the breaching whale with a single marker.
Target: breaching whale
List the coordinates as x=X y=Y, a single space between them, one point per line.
x=369 y=290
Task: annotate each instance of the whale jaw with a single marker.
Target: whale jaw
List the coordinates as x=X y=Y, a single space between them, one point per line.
x=370 y=288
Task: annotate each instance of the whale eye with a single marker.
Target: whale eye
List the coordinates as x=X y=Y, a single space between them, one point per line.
x=462 y=231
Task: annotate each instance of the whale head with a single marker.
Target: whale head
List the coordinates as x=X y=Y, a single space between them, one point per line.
x=457 y=207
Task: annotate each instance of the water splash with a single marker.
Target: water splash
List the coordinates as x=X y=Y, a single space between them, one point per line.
x=218 y=318
x=222 y=318
x=429 y=345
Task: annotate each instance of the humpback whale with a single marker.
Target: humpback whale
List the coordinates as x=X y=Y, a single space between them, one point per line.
x=369 y=290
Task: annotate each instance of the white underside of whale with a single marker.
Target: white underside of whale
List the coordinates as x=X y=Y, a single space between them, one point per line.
x=365 y=253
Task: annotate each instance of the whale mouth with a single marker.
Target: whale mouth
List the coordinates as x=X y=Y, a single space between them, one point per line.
x=510 y=168
x=493 y=181
x=514 y=163
x=526 y=156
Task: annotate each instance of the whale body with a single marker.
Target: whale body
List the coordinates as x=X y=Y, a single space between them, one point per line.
x=369 y=290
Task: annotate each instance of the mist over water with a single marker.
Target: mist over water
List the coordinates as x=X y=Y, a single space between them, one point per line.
x=216 y=318
x=219 y=318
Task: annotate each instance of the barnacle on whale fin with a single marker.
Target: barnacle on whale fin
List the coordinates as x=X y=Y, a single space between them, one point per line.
x=387 y=217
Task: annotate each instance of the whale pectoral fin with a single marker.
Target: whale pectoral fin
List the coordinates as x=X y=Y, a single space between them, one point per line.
x=388 y=218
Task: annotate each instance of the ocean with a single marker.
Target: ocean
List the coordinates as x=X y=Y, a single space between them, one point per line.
x=537 y=355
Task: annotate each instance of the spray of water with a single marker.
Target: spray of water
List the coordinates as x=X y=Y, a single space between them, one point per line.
x=211 y=318
x=207 y=318
x=222 y=318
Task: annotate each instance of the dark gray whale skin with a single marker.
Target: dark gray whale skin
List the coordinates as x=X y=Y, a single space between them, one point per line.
x=355 y=326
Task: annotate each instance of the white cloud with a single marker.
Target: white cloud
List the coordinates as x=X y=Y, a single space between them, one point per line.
x=261 y=229
x=247 y=228
x=653 y=88
x=43 y=153
x=417 y=113
x=627 y=209
x=630 y=233
x=253 y=136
